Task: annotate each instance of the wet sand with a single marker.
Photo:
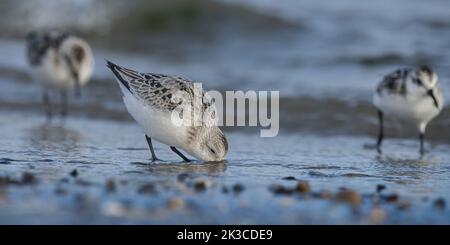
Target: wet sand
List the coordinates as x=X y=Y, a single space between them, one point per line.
x=93 y=171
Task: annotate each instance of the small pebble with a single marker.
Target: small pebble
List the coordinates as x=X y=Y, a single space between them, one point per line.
x=182 y=177
x=74 y=173
x=403 y=205
x=6 y=180
x=225 y=189
x=322 y=195
x=111 y=185
x=60 y=191
x=175 y=203
x=326 y=195
x=281 y=190
x=238 y=188
x=392 y=198
x=439 y=203
x=200 y=186
x=114 y=209
x=380 y=188
x=303 y=187
x=148 y=188
x=82 y=182
x=377 y=215
x=28 y=178
x=64 y=180
x=84 y=201
x=350 y=197
x=375 y=198
x=290 y=178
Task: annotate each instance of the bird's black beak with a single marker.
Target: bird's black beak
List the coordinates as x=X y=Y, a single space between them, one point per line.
x=431 y=94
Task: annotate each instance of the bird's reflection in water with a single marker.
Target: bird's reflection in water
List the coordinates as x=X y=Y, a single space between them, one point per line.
x=403 y=161
x=172 y=168
x=54 y=138
x=404 y=170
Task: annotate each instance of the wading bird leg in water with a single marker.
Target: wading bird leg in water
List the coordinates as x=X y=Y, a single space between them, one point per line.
x=381 y=131
x=47 y=105
x=150 y=145
x=422 y=147
x=64 y=104
x=77 y=88
x=180 y=154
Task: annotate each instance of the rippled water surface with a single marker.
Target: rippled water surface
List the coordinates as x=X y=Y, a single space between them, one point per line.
x=115 y=183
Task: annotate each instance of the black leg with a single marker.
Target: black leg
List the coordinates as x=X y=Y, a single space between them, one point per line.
x=180 y=154
x=150 y=145
x=381 y=131
x=77 y=89
x=64 y=104
x=47 y=105
x=422 y=147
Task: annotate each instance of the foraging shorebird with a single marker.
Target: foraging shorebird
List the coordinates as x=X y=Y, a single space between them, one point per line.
x=154 y=99
x=411 y=96
x=59 y=62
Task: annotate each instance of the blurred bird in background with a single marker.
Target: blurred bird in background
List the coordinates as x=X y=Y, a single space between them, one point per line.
x=59 y=62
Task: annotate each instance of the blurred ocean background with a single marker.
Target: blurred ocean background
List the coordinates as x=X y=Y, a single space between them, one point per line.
x=325 y=58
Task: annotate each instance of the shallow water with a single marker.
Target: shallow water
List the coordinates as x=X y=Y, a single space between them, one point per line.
x=324 y=59
x=172 y=192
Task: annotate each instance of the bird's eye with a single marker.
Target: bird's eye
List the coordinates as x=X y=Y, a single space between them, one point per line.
x=419 y=81
x=212 y=151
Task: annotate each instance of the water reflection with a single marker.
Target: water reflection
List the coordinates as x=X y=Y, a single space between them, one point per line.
x=55 y=138
x=174 y=168
x=404 y=170
x=402 y=161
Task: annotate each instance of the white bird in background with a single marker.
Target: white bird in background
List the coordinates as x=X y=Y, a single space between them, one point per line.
x=152 y=98
x=411 y=96
x=59 y=62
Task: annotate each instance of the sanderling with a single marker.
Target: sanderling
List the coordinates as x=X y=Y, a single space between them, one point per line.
x=151 y=100
x=59 y=62
x=410 y=96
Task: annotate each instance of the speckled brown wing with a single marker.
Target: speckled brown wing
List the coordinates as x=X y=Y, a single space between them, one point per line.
x=162 y=91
